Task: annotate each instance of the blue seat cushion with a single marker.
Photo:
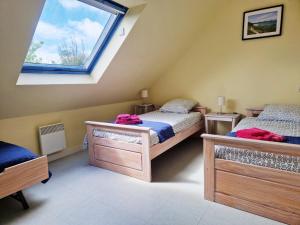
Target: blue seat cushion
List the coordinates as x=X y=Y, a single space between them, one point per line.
x=11 y=155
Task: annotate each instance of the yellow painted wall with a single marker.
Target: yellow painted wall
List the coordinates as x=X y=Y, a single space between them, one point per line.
x=248 y=73
x=24 y=130
x=149 y=49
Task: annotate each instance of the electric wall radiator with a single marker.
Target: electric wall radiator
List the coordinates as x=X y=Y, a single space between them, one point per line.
x=52 y=138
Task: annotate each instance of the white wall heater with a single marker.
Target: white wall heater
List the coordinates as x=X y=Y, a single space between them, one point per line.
x=52 y=138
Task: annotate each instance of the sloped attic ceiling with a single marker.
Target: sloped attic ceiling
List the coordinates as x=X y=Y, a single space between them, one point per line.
x=163 y=32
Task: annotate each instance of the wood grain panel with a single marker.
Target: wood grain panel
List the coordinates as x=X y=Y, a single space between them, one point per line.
x=262 y=210
x=118 y=144
x=158 y=149
x=209 y=170
x=120 y=169
x=23 y=175
x=146 y=157
x=270 y=174
x=118 y=156
x=283 y=197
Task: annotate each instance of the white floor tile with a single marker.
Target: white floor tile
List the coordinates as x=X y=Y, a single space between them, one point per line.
x=79 y=194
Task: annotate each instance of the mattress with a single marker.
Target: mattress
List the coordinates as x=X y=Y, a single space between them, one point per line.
x=271 y=160
x=178 y=122
x=11 y=155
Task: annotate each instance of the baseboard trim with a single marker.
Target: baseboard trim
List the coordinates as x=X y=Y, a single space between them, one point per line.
x=64 y=153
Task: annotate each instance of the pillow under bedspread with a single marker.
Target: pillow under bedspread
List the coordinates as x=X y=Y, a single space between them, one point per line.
x=281 y=112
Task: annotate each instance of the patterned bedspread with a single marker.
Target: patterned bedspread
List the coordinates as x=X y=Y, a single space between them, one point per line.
x=276 y=161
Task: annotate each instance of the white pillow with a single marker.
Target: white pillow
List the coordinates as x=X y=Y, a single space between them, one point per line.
x=178 y=106
x=281 y=112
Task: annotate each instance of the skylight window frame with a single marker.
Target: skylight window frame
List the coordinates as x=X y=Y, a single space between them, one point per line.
x=116 y=9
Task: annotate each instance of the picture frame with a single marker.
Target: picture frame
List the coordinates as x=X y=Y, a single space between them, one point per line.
x=262 y=23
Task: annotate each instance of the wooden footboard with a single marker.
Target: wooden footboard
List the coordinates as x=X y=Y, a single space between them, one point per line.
x=267 y=192
x=125 y=158
x=24 y=175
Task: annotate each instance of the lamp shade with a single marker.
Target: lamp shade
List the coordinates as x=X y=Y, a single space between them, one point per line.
x=221 y=100
x=144 y=93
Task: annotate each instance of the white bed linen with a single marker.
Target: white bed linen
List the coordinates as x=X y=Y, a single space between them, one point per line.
x=178 y=122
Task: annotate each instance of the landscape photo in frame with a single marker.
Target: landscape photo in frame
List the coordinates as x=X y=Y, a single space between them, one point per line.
x=260 y=23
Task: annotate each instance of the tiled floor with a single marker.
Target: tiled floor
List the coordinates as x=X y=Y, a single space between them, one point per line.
x=79 y=194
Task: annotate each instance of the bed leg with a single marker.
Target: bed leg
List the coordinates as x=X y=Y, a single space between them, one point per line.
x=146 y=157
x=20 y=197
x=90 y=130
x=209 y=170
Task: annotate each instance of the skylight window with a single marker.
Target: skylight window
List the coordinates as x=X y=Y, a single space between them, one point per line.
x=71 y=35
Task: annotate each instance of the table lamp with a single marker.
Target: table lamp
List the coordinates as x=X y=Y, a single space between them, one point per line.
x=144 y=94
x=221 y=103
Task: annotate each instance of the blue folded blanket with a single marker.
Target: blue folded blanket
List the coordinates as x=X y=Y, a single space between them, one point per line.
x=287 y=139
x=163 y=130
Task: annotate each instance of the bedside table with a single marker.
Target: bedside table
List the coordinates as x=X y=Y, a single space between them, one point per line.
x=143 y=108
x=227 y=117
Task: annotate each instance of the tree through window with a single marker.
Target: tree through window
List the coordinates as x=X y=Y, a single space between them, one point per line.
x=71 y=35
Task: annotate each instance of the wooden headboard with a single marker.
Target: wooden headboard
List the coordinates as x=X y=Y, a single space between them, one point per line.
x=201 y=109
x=254 y=112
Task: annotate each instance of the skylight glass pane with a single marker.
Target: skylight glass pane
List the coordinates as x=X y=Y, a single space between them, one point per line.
x=68 y=34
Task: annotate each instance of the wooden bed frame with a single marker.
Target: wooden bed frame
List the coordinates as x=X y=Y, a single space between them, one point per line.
x=16 y=178
x=267 y=192
x=127 y=158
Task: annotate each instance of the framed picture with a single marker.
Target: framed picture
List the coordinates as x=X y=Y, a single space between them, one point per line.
x=262 y=23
